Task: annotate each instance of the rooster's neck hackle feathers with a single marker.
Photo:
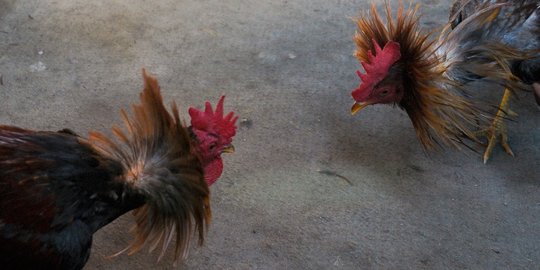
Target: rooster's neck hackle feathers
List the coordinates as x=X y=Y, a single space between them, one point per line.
x=158 y=161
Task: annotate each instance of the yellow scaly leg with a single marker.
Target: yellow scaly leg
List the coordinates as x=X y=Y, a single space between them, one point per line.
x=497 y=131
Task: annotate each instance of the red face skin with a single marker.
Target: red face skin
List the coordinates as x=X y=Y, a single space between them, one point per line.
x=383 y=81
x=389 y=90
x=210 y=147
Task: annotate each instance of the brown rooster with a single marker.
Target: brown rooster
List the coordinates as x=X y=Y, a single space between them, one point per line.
x=57 y=189
x=493 y=42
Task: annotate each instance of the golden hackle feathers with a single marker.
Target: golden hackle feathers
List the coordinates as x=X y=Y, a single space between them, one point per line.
x=424 y=86
x=434 y=97
x=159 y=163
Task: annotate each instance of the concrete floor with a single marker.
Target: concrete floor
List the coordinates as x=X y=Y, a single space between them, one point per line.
x=287 y=69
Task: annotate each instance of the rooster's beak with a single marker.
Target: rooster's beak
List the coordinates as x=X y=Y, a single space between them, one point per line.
x=358 y=106
x=228 y=149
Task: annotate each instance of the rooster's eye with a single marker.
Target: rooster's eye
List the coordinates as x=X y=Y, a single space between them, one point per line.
x=383 y=93
x=212 y=146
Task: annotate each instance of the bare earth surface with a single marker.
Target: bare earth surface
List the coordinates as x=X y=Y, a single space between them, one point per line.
x=287 y=69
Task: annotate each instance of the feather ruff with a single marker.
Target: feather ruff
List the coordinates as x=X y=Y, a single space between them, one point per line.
x=436 y=71
x=159 y=162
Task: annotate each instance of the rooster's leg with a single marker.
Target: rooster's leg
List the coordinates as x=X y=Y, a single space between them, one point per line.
x=498 y=131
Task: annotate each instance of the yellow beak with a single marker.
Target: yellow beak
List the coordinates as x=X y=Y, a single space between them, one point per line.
x=228 y=149
x=357 y=107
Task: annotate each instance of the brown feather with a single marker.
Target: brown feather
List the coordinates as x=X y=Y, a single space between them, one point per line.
x=160 y=163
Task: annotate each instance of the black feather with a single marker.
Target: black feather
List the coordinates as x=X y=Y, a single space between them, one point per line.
x=55 y=192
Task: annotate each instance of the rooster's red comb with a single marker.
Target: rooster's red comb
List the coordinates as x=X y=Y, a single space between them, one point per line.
x=376 y=68
x=211 y=121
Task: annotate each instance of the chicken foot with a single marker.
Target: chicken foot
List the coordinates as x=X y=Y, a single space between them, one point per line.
x=498 y=131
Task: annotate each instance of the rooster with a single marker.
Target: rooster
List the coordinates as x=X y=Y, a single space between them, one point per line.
x=57 y=189
x=433 y=78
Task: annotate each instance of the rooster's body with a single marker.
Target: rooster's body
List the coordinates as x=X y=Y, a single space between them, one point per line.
x=57 y=189
x=493 y=42
x=55 y=192
x=516 y=24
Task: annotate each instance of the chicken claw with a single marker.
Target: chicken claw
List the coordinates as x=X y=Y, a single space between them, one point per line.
x=498 y=131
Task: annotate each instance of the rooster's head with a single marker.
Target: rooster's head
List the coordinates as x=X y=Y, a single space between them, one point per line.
x=381 y=84
x=213 y=133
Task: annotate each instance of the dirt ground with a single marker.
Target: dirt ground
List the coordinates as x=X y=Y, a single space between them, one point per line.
x=287 y=69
